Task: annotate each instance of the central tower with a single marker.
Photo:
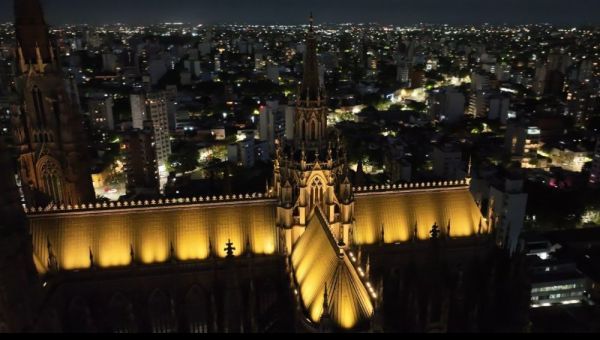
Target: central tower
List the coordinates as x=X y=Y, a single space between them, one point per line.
x=311 y=172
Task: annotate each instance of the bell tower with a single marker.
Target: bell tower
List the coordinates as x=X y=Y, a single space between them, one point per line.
x=47 y=125
x=311 y=172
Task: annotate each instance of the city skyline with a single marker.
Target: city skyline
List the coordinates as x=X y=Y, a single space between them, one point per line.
x=194 y=174
x=559 y=12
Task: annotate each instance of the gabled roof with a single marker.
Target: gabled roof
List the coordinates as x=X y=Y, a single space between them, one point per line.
x=318 y=262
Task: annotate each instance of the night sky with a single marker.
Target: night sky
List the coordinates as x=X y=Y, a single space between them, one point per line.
x=401 y=12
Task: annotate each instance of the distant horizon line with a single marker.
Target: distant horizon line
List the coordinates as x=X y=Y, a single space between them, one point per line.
x=176 y=22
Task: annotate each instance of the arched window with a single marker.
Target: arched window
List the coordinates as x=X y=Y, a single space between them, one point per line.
x=121 y=317
x=51 y=176
x=316 y=192
x=313 y=130
x=38 y=105
x=161 y=313
x=79 y=317
x=196 y=314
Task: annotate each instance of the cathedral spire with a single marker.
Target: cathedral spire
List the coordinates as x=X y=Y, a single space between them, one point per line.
x=311 y=87
x=32 y=32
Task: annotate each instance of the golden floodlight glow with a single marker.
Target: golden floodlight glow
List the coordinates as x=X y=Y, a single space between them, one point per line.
x=317 y=263
x=151 y=232
x=398 y=213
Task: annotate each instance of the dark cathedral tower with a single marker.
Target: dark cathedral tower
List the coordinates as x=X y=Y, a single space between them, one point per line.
x=47 y=125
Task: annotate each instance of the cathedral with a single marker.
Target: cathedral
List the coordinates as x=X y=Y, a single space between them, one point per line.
x=313 y=253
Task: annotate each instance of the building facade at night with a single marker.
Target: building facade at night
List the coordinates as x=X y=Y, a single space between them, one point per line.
x=313 y=253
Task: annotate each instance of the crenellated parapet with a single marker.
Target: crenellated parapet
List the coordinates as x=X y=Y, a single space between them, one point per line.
x=412 y=186
x=229 y=199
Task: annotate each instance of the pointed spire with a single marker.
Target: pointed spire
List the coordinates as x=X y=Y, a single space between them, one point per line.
x=211 y=252
x=131 y=254
x=38 y=58
x=172 y=255
x=32 y=32
x=52 y=262
x=310 y=87
x=469 y=166
x=248 y=247
x=416 y=232
x=92 y=264
x=22 y=63
x=51 y=50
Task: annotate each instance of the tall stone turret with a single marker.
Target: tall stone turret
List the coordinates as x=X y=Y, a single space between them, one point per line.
x=47 y=125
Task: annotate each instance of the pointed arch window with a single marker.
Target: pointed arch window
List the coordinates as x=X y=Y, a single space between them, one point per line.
x=38 y=105
x=196 y=310
x=316 y=192
x=52 y=180
x=161 y=313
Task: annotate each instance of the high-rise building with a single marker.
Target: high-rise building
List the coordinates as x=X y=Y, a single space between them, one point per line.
x=522 y=144
x=47 y=125
x=271 y=124
x=478 y=104
x=586 y=70
x=109 y=62
x=507 y=209
x=101 y=113
x=498 y=108
x=273 y=72
x=480 y=82
x=403 y=72
x=447 y=105
x=140 y=165
x=138 y=110
x=157 y=110
x=152 y=109
x=447 y=162
x=539 y=81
